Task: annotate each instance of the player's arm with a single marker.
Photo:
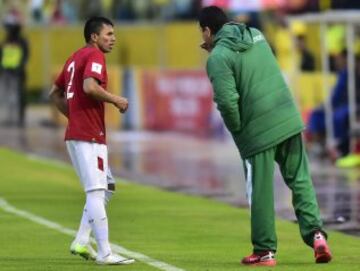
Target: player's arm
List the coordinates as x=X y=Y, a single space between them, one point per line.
x=94 y=90
x=58 y=98
x=226 y=95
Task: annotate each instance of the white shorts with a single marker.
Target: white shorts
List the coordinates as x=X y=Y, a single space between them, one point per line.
x=90 y=161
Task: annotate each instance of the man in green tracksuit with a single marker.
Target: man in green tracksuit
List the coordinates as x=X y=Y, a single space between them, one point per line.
x=259 y=111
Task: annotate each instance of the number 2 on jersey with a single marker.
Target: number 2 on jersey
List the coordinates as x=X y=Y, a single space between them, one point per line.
x=71 y=69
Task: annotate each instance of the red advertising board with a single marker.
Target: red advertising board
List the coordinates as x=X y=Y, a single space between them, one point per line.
x=177 y=101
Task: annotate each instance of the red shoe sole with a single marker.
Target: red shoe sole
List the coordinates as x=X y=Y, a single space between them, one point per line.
x=266 y=263
x=322 y=255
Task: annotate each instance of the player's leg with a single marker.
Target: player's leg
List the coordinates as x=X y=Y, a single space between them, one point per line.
x=100 y=222
x=81 y=244
x=293 y=163
x=84 y=231
x=95 y=204
x=89 y=159
x=93 y=171
x=96 y=199
x=83 y=234
x=259 y=170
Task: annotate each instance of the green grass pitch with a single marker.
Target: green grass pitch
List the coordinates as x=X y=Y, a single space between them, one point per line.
x=187 y=232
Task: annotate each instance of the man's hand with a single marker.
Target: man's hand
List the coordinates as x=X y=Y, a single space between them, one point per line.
x=93 y=89
x=121 y=103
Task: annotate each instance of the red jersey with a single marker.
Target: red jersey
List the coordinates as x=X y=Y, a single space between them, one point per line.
x=85 y=114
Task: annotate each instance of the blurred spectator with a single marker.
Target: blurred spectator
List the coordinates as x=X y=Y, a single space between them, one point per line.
x=283 y=43
x=251 y=19
x=187 y=9
x=301 y=6
x=106 y=6
x=307 y=62
x=90 y=8
x=335 y=39
x=339 y=102
x=69 y=10
x=162 y=10
x=36 y=10
x=130 y=10
x=13 y=56
x=353 y=159
x=345 y=4
x=57 y=15
x=123 y=10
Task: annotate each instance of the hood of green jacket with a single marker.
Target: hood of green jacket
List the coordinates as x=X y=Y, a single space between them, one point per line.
x=234 y=36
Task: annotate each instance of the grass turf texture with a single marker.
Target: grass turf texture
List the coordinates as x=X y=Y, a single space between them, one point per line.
x=188 y=232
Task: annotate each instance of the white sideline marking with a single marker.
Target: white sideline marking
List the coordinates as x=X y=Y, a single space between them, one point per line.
x=55 y=226
x=48 y=161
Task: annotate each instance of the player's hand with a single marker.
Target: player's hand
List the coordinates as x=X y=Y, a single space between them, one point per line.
x=121 y=103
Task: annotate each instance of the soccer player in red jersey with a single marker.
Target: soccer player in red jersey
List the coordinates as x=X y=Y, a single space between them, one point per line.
x=79 y=93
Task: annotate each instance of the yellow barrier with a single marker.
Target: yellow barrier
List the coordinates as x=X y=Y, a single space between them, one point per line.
x=174 y=45
x=308 y=90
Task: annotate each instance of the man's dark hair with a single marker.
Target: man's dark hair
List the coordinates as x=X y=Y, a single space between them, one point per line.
x=212 y=17
x=94 y=25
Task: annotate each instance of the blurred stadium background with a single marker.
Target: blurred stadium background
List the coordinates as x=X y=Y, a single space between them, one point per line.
x=172 y=135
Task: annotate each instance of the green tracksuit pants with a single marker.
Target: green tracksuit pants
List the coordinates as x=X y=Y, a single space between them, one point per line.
x=259 y=172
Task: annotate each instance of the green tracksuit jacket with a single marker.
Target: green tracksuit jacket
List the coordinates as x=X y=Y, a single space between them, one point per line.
x=249 y=90
x=258 y=109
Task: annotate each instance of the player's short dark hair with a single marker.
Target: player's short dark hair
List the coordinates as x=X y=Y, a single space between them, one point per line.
x=212 y=17
x=94 y=25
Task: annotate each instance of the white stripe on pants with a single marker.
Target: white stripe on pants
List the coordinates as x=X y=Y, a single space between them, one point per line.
x=248 y=181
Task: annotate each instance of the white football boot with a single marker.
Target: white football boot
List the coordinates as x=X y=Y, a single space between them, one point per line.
x=113 y=259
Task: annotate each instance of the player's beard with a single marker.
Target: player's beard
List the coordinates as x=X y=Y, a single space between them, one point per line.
x=106 y=49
